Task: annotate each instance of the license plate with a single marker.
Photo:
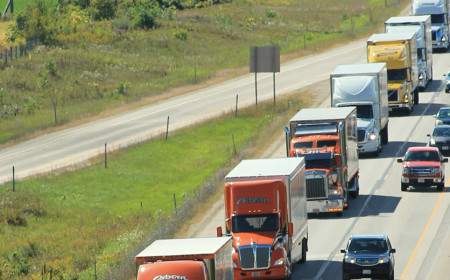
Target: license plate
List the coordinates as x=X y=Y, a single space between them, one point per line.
x=444 y=147
x=366 y=271
x=255 y=273
x=421 y=180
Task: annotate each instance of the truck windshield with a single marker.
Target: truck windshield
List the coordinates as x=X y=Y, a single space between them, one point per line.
x=302 y=145
x=252 y=223
x=396 y=74
x=364 y=112
x=422 y=156
x=326 y=143
x=438 y=18
x=318 y=163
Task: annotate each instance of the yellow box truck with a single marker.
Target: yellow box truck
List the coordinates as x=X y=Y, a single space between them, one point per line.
x=399 y=51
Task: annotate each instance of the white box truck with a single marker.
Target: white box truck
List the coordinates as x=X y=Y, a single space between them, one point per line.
x=189 y=258
x=439 y=11
x=364 y=86
x=422 y=26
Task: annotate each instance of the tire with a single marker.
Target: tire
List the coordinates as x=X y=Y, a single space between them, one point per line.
x=339 y=214
x=404 y=187
x=391 y=277
x=440 y=187
x=385 y=135
x=416 y=96
x=304 y=250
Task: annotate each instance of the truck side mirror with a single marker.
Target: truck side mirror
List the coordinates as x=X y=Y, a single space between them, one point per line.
x=399 y=160
x=445 y=160
x=290 y=229
x=219 y=231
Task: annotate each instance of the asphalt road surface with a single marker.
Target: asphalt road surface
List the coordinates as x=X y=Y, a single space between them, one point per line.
x=417 y=221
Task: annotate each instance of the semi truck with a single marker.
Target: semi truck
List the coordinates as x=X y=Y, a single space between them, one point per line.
x=265 y=213
x=399 y=51
x=439 y=11
x=365 y=87
x=327 y=139
x=421 y=25
x=190 y=258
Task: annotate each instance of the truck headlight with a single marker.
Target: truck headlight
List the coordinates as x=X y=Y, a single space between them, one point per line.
x=349 y=260
x=279 y=262
x=443 y=39
x=432 y=142
x=421 y=76
x=383 y=260
x=405 y=170
x=372 y=136
x=448 y=82
x=438 y=122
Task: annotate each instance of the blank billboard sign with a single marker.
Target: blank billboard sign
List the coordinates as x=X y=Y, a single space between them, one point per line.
x=265 y=59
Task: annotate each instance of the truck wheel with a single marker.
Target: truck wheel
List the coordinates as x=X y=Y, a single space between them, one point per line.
x=384 y=135
x=404 y=187
x=339 y=214
x=304 y=249
x=416 y=96
x=440 y=187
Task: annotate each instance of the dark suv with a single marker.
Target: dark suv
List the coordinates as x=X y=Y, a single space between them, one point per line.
x=368 y=256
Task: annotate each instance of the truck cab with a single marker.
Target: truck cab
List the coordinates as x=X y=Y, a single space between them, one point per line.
x=439 y=11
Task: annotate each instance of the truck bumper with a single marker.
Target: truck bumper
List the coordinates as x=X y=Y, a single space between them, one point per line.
x=399 y=106
x=325 y=206
x=271 y=273
x=440 y=45
x=422 y=181
x=368 y=147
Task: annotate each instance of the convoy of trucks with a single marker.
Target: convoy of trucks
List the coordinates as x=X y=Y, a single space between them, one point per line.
x=265 y=209
x=399 y=51
x=365 y=87
x=193 y=258
x=327 y=139
x=267 y=201
x=421 y=25
x=439 y=11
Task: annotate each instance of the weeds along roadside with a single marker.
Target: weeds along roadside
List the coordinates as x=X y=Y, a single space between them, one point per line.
x=110 y=71
x=75 y=222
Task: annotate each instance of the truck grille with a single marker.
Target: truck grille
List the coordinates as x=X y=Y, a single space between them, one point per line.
x=433 y=35
x=366 y=261
x=392 y=95
x=361 y=135
x=254 y=256
x=315 y=188
x=421 y=171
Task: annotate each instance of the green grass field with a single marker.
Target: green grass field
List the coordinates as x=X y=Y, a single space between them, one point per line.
x=101 y=68
x=76 y=222
x=69 y=221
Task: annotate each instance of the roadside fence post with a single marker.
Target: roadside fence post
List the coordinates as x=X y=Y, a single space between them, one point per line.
x=175 y=202
x=167 y=127
x=195 y=74
x=106 y=161
x=237 y=98
x=14 y=180
x=165 y=76
x=234 y=145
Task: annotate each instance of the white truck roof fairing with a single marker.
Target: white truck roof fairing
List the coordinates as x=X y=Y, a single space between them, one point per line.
x=429 y=7
x=413 y=20
x=183 y=249
x=311 y=115
x=359 y=88
x=408 y=28
x=359 y=69
x=386 y=37
x=266 y=167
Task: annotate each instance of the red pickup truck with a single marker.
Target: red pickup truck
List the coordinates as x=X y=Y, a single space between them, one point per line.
x=423 y=167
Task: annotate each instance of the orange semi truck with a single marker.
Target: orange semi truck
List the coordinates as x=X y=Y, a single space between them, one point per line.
x=327 y=139
x=265 y=208
x=186 y=259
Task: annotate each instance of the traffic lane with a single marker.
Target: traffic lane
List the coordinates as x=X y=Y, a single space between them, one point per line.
x=377 y=204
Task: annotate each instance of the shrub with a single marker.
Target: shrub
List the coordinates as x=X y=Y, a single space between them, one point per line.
x=16 y=220
x=180 y=34
x=270 y=13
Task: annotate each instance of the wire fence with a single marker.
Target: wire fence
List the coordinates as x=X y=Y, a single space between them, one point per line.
x=17 y=51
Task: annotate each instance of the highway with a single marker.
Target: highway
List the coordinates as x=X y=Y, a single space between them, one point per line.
x=417 y=221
